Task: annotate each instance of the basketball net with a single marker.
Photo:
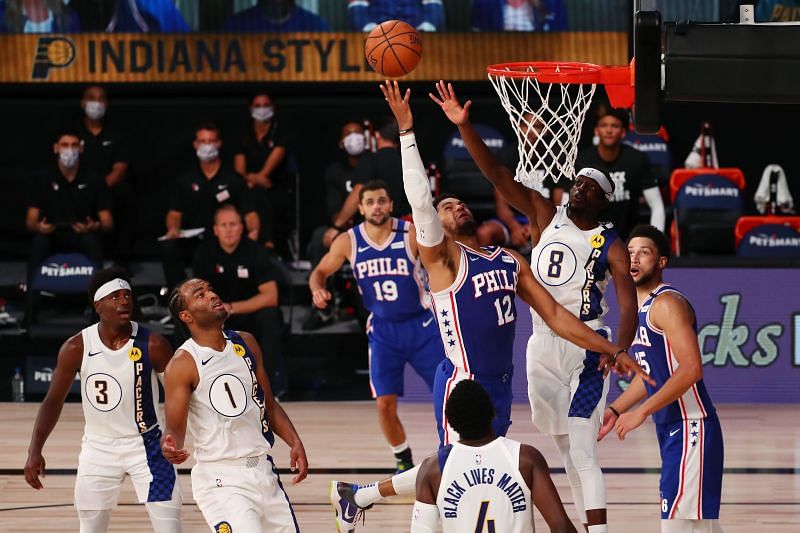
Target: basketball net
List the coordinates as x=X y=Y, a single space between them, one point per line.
x=547 y=119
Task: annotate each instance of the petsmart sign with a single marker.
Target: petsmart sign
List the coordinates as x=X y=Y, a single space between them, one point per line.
x=295 y=57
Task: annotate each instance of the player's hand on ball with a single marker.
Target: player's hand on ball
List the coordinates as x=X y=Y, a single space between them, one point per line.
x=398 y=103
x=171 y=452
x=629 y=421
x=34 y=467
x=321 y=297
x=452 y=108
x=609 y=418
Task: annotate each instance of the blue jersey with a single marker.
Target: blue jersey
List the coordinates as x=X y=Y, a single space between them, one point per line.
x=655 y=355
x=477 y=313
x=390 y=278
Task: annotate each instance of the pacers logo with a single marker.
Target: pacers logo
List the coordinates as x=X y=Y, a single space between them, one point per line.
x=135 y=354
x=52 y=52
x=223 y=527
x=238 y=349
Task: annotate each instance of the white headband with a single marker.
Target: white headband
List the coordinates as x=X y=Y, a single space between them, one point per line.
x=108 y=287
x=599 y=178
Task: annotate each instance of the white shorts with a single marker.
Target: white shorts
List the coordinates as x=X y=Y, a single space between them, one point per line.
x=104 y=461
x=563 y=382
x=243 y=496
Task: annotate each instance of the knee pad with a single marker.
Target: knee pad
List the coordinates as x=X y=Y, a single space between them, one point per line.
x=94 y=521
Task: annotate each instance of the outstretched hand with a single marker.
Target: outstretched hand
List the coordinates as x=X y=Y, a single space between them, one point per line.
x=398 y=103
x=624 y=365
x=169 y=448
x=449 y=103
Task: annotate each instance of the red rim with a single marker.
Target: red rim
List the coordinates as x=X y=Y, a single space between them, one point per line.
x=564 y=72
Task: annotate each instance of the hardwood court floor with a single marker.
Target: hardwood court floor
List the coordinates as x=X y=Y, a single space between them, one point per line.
x=761 y=486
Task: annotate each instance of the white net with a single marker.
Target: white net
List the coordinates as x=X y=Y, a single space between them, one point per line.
x=547 y=119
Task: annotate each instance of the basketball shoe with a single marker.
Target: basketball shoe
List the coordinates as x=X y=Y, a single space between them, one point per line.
x=344 y=505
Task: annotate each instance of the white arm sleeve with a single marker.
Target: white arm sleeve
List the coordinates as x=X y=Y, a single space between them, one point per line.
x=418 y=191
x=424 y=518
x=656 y=203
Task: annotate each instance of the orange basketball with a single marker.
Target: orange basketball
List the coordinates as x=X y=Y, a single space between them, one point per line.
x=393 y=48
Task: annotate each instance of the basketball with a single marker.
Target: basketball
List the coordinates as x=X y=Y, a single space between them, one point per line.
x=393 y=48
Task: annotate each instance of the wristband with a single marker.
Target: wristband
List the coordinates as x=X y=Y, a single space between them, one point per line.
x=616 y=413
x=614 y=359
x=403 y=132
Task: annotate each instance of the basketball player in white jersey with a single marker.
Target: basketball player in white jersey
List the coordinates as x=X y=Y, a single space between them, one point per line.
x=484 y=482
x=574 y=258
x=451 y=255
x=216 y=383
x=117 y=361
x=687 y=427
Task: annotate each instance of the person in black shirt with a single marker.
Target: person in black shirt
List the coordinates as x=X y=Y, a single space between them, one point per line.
x=196 y=196
x=241 y=272
x=261 y=158
x=627 y=167
x=384 y=165
x=105 y=155
x=68 y=207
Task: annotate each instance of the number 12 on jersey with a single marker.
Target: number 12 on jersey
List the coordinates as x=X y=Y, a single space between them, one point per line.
x=505 y=310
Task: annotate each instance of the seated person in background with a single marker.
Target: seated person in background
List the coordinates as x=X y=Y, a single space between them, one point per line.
x=519 y=15
x=508 y=229
x=241 y=273
x=37 y=16
x=425 y=15
x=197 y=194
x=627 y=167
x=105 y=156
x=275 y=16
x=129 y=16
x=68 y=207
x=261 y=158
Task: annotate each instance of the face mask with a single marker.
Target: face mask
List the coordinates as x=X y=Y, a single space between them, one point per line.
x=68 y=157
x=263 y=114
x=353 y=143
x=207 y=152
x=95 y=110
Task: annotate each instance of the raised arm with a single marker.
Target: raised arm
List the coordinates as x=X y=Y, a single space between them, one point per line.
x=537 y=208
x=278 y=419
x=68 y=364
x=330 y=263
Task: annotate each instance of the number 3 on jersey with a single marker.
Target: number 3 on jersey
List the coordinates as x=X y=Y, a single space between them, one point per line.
x=482 y=520
x=505 y=311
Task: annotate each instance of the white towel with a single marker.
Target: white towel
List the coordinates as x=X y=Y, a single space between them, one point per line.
x=784 y=200
x=694 y=159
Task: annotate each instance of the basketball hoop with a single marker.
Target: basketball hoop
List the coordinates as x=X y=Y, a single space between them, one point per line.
x=546 y=102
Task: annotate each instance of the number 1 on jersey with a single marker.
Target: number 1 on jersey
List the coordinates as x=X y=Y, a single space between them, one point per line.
x=505 y=312
x=482 y=512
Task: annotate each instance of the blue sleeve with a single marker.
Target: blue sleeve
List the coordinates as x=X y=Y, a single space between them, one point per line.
x=168 y=16
x=358 y=13
x=433 y=12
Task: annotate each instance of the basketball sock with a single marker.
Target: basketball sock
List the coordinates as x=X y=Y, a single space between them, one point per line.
x=582 y=450
x=403 y=454
x=165 y=516
x=405 y=484
x=562 y=442
x=600 y=528
x=400 y=448
x=94 y=521
x=366 y=495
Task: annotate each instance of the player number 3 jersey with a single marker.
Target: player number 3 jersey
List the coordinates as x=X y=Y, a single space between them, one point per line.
x=482 y=489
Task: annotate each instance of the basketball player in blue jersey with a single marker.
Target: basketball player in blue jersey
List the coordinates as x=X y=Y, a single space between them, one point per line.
x=401 y=329
x=217 y=386
x=474 y=292
x=117 y=361
x=688 y=430
x=484 y=481
x=574 y=257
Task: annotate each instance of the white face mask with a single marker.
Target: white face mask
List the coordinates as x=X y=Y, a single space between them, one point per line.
x=354 y=143
x=68 y=157
x=207 y=152
x=263 y=114
x=95 y=110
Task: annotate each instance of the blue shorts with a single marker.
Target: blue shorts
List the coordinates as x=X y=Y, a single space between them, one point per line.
x=691 y=468
x=499 y=389
x=392 y=344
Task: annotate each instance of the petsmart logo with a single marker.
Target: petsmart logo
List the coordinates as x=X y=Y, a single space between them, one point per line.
x=771 y=241
x=45 y=375
x=64 y=271
x=52 y=52
x=458 y=142
x=709 y=191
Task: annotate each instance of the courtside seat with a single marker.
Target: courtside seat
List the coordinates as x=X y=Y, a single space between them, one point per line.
x=768 y=236
x=707 y=202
